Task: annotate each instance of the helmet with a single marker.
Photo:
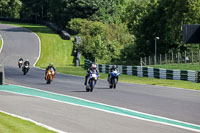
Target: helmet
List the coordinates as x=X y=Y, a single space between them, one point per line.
x=94 y=66
x=51 y=64
x=114 y=66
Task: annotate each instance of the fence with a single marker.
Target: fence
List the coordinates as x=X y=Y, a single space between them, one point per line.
x=187 y=75
x=184 y=57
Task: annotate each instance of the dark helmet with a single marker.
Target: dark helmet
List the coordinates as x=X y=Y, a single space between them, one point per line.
x=114 y=66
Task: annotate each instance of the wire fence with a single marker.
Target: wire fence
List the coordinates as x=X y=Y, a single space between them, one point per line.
x=172 y=58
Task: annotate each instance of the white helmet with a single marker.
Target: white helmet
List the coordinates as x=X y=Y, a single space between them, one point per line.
x=94 y=66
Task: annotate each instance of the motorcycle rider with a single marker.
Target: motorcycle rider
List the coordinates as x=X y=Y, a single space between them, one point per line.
x=26 y=63
x=49 y=67
x=20 y=60
x=113 y=68
x=92 y=68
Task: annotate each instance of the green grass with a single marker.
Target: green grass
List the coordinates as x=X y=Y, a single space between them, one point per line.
x=58 y=51
x=188 y=66
x=9 y=124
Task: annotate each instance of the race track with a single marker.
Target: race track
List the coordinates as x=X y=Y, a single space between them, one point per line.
x=173 y=103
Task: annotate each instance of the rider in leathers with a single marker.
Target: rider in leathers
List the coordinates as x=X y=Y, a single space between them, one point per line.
x=113 y=68
x=49 y=67
x=92 y=68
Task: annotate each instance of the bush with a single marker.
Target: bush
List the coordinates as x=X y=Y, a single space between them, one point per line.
x=101 y=42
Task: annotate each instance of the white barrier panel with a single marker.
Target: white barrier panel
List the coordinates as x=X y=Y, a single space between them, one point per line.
x=191 y=76
x=176 y=74
x=110 y=66
x=120 y=68
x=139 y=71
x=97 y=66
x=150 y=72
x=103 y=68
x=163 y=74
x=129 y=70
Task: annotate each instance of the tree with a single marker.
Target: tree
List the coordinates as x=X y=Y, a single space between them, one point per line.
x=64 y=10
x=101 y=42
x=110 y=11
x=163 y=19
x=10 y=8
x=36 y=10
x=140 y=23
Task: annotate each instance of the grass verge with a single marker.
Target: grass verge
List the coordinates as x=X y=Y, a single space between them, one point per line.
x=58 y=51
x=10 y=124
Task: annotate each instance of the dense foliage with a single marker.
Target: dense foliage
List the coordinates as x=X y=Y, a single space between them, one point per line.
x=101 y=42
x=10 y=8
x=114 y=30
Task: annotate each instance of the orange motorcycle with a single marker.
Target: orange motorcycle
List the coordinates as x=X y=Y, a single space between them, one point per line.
x=50 y=75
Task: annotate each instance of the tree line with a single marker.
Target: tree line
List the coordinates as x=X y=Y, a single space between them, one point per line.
x=114 y=31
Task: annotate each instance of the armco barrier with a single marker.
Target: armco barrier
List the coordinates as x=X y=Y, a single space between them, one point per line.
x=1 y=75
x=187 y=75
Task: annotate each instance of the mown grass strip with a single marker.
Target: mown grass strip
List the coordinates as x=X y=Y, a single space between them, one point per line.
x=10 y=124
x=58 y=51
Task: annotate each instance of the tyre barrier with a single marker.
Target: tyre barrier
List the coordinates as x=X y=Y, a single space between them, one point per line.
x=186 y=75
x=1 y=75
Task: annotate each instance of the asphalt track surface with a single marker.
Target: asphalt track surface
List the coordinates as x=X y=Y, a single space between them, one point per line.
x=179 y=104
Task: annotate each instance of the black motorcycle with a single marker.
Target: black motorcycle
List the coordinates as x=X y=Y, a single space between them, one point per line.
x=25 y=69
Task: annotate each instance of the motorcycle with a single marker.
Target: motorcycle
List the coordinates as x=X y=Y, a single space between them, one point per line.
x=92 y=81
x=20 y=63
x=25 y=69
x=50 y=75
x=113 y=79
